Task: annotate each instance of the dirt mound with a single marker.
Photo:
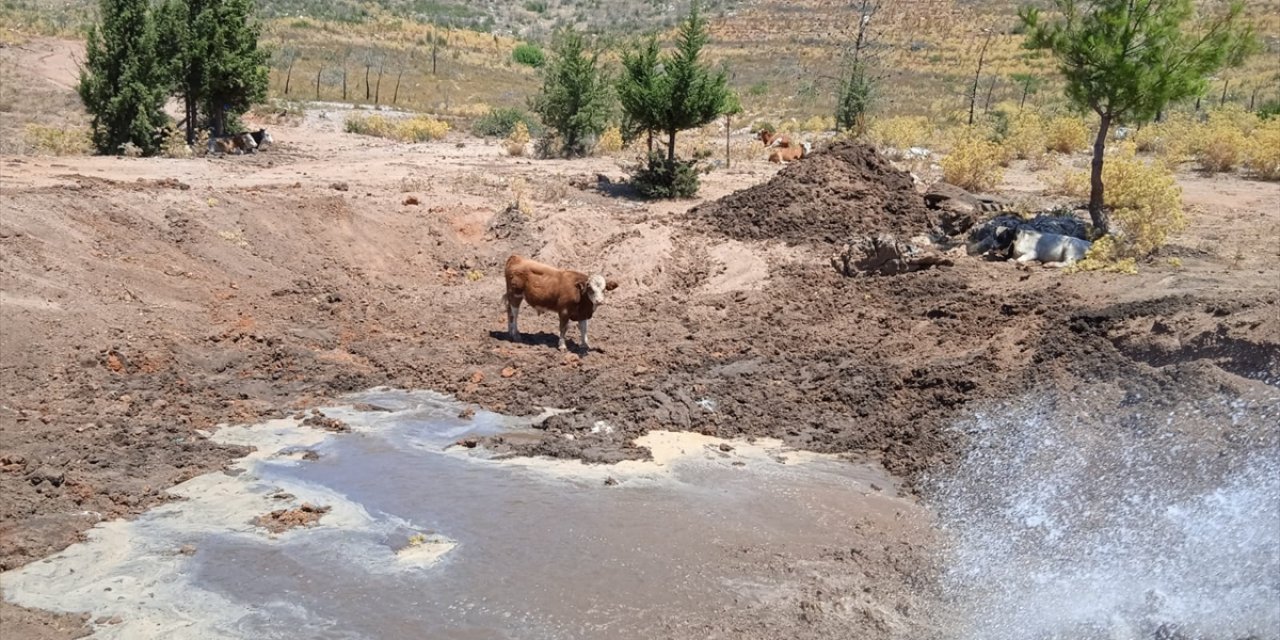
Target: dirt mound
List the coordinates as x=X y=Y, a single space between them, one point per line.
x=843 y=190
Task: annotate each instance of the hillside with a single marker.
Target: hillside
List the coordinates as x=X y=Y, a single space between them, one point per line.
x=455 y=57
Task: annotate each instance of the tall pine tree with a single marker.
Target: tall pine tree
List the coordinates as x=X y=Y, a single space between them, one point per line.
x=122 y=84
x=235 y=71
x=688 y=94
x=575 y=98
x=1125 y=60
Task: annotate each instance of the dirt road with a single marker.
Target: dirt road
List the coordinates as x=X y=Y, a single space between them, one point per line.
x=146 y=300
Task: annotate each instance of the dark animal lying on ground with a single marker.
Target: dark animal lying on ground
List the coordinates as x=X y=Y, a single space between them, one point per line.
x=570 y=294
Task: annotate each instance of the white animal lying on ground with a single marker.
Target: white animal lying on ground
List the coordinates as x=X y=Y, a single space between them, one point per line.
x=570 y=294
x=1053 y=249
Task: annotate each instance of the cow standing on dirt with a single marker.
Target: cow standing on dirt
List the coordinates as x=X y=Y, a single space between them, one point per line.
x=570 y=294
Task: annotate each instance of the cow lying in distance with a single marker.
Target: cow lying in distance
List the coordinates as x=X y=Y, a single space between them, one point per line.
x=572 y=295
x=261 y=138
x=1054 y=250
x=790 y=154
x=771 y=139
x=237 y=144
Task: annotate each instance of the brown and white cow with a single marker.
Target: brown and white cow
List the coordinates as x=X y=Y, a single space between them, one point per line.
x=771 y=139
x=790 y=154
x=570 y=294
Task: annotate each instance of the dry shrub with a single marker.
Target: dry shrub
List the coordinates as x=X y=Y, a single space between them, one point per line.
x=900 y=132
x=518 y=139
x=1223 y=143
x=1105 y=255
x=422 y=129
x=610 y=141
x=818 y=124
x=58 y=141
x=1173 y=140
x=1263 y=153
x=1066 y=134
x=1025 y=137
x=416 y=129
x=1145 y=203
x=974 y=162
x=1221 y=148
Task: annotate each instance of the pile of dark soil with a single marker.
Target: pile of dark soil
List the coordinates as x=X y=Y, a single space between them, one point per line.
x=843 y=190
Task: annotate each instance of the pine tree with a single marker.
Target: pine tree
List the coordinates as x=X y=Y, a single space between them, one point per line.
x=687 y=94
x=184 y=66
x=637 y=90
x=575 y=99
x=1125 y=60
x=122 y=85
x=234 y=74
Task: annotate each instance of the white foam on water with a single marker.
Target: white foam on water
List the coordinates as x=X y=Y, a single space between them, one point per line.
x=1060 y=530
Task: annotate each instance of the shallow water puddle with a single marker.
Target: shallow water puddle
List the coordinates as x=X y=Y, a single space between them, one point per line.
x=425 y=539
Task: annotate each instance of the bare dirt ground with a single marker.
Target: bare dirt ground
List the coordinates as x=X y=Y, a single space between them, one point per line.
x=144 y=300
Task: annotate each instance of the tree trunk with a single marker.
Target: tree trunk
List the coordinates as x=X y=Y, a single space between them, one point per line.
x=190 y=107
x=671 y=148
x=728 y=126
x=318 y=72
x=986 y=108
x=344 y=82
x=1252 y=97
x=1225 y=83
x=650 y=141
x=1097 y=213
x=377 y=90
x=395 y=95
x=973 y=92
x=288 y=75
x=367 y=94
x=1023 y=101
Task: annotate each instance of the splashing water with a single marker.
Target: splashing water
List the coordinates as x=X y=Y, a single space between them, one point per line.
x=1115 y=527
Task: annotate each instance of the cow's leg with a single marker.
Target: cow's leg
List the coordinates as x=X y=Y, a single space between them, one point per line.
x=582 y=328
x=513 y=316
x=564 y=328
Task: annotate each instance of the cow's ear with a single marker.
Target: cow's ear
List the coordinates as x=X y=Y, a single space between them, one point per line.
x=582 y=286
x=610 y=285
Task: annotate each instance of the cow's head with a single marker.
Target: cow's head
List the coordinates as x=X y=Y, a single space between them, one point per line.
x=265 y=137
x=594 y=288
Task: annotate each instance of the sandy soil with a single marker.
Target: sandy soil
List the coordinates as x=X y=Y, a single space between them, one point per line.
x=143 y=299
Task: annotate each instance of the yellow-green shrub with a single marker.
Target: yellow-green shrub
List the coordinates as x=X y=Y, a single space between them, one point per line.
x=1105 y=255
x=900 y=132
x=1263 y=152
x=1220 y=147
x=1173 y=140
x=58 y=141
x=819 y=124
x=422 y=129
x=1024 y=138
x=518 y=138
x=610 y=141
x=974 y=162
x=1145 y=202
x=416 y=129
x=1066 y=134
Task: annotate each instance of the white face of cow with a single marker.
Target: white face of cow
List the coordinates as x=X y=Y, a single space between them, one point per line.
x=595 y=289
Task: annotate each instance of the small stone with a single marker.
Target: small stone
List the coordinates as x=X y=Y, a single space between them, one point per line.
x=46 y=474
x=610 y=481
x=725 y=446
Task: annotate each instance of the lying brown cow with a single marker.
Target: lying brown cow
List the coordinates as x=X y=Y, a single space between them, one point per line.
x=790 y=154
x=570 y=294
x=771 y=139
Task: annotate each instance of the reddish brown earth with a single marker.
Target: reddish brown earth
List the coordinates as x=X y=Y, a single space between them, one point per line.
x=145 y=300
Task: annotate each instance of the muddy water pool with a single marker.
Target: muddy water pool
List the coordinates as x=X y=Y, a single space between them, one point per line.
x=425 y=538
